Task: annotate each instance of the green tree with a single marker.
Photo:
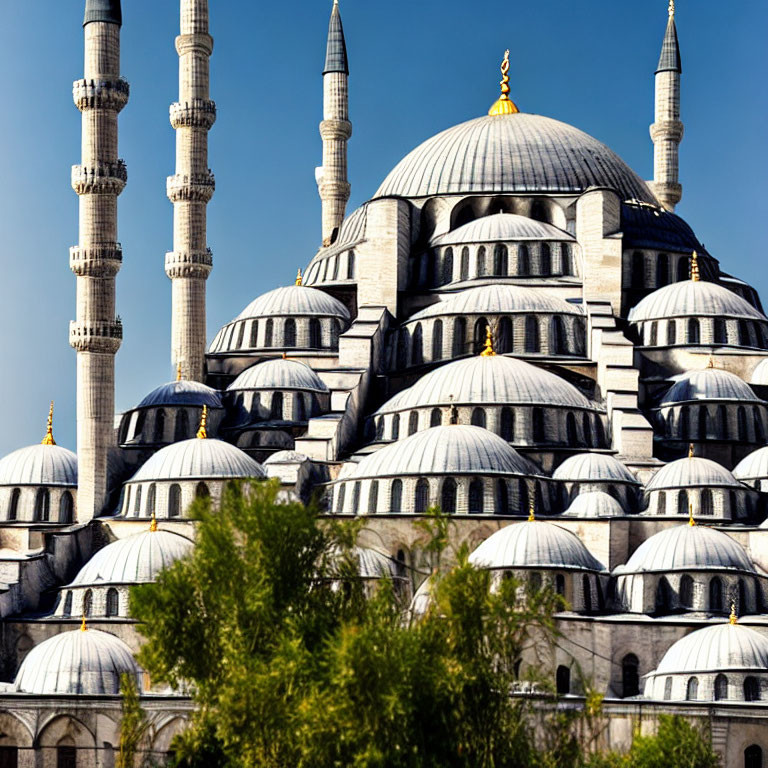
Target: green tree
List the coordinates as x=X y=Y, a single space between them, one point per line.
x=134 y=727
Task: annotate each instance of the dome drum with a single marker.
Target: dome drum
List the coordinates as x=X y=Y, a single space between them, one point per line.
x=38 y=504
x=582 y=592
x=158 y=426
x=734 y=686
x=709 y=503
x=597 y=472
x=702 y=331
x=335 y=268
x=97 y=602
x=626 y=494
x=168 y=499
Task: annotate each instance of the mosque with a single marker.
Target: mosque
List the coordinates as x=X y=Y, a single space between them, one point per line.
x=515 y=327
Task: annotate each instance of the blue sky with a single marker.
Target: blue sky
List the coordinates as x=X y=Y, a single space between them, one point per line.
x=417 y=68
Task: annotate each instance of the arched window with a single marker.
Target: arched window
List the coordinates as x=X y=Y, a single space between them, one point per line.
x=662 y=270
x=502 y=497
x=704 y=422
x=448 y=497
x=356 y=498
x=182 y=426
x=693 y=331
x=68 y=604
x=500 y=260
x=268 y=333
x=421 y=503
x=43 y=505
x=534 y=581
x=66 y=508
x=507 y=424
x=523 y=261
x=630 y=676
x=478 y=417
x=88 y=603
x=570 y=430
x=532 y=341
x=685 y=423
x=587 y=590
x=351 y=265
x=559 y=344
x=289 y=333
x=240 y=336
x=741 y=424
x=706 y=505
x=654 y=340
x=335 y=259
x=437 y=340
x=413 y=423
x=758 y=425
x=476 y=497
x=447 y=266
x=340 y=499
x=504 y=336
x=459 y=336
x=686 y=592
x=481 y=333
x=546 y=260
x=742 y=606
x=663 y=596
x=721 y=334
x=586 y=432
x=753 y=757
x=300 y=407
x=435 y=417
x=721 y=423
x=683 y=268
x=13 y=506
x=600 y=432
x=335 y=333
x=480 y=262
x=202 y=491
x=417 y=346
x=396 y=497
x=539 y=431
x=751 y=688
x=159 y=433
x=744 y=339
x=563 y=680
x=315 y=333
x=692 y=689
x=668 y=689
x=174 y=501
x=373 y=497
x=113 y=602
x=560 y=584
x=637 y=279
x=254 y=334
x=465 y=263
x=671 y=333
x=276 y=407
x=523 y=497
x=721 y=688
x=565 y=260
x=396 y=427
x=716 y=595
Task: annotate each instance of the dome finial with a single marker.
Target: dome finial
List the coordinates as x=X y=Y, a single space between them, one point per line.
x=711 y=361
x=202 y=433
x=671 y=9
x=298 y=277
x=504 y=105
x=531 y=513
x=691 y=454
x=695 y=274
x=84 y=625
x=734 y=619
x=153 y=524
x=178 y=371
x=488 y=350
x=691 y=519
x=48 y=439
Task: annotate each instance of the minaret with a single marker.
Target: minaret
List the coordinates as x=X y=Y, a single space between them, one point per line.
x=335 y=130
x=190 y=190
x=667 y=131
x=96 y=334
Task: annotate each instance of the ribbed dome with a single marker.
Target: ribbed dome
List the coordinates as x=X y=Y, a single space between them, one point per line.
x=511 y=153
x=501 y=227
x=293 y=300
x=754 y=466
x=39 y=465
x=133 y=560
x=496 y=380
x=693 y=299
x=455 y=449
x=534 y=544
x=193 y=459
x=693 y=471
x=497 y=299
x=760 y=374
x=687 y=547
x=89 y=662
x=278 y=374
x=709 y=384
x=594 y=504
x=657 y=229
x=717 y=649
x=182 y=393
x=593 y=467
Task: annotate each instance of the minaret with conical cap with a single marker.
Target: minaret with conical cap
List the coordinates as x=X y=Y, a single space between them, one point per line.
x=667 y=130
x=190 y=190
x=335 y=130
x=96 y=333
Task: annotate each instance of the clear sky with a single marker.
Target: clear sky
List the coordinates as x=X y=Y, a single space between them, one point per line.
x=416 y=68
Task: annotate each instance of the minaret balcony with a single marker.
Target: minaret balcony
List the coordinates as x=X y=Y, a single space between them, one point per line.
x=97 y=260
x=100 y=179
x=335 y=130
x=669 y=130
x=198 y=113
x=195 y=187
x=189 y=263
x=96 y=337
x=101 y=94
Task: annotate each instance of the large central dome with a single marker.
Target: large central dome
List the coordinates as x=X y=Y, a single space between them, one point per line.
x=512 y=153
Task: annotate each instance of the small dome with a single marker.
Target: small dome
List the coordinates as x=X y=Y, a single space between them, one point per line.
x=501 y=227
x=595 y=504
x=278 y=374
x=690 y=298
x=198 y=459
x=691 y=472
x=534 y=544
x=754 y=466
x=90 y=662
x=709 y=384
x=687 y=547
x=593 y=467
x=496 y=380
x=455 y=449
x=497 y=299
x=39 y=465
x=760 y=374
x=717 y=649
x=286 y=457
x=182 y=393
x=134 y=559
x=294 y=300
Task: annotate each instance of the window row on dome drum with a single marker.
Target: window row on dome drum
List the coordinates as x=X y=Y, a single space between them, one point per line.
x=743 y=424
x=655 y=270
x=160 y=426
x=30 y=504
x=448 y=265
x=163 y=499
x=627 y=494
x=339 y=267
x=721 y=687
x=99 y=601
x=521 y=425
x=456 y=495
x=582 y=591
x=278 y=333
x=251 y=406
x=723 y=503
x=696 y=331
x=432 y=340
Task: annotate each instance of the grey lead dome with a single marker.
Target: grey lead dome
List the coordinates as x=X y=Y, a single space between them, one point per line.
x=499 y=227
x=49 y=465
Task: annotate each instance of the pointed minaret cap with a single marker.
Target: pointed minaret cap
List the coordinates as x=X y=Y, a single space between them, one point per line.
x=336 y=49
x=504 y=105
x=670 y=60
x=108 y=11
x=48 y=439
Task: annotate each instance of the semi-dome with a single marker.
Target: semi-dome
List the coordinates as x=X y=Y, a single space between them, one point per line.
x=279 y=374
x=293 y=300
x=511 y=153
x=182 y=393
x=593 y=467
x=500 y=227
x=692 y=471
x=498 y=299
x=86 y=662
x=198 y=459
x=454 y=449
x=534 y=544
x=691 y=298
x=709 y=384
x=496 y=379
x=595 y=504
x=687 y=547
x=134 y=559
x=760 y=374
x=42 y=464
x=655 y=228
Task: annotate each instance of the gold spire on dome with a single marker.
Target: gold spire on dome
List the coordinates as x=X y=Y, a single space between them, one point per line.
x=711 y=361
x=734 y=618
x=488 y=350
x=691 y=520
x=202 y=433
x=178 y=371
x=84 y=625
x=695 y=274
x=671 y=9
x=153 y=524
x=531 y=513
x=298 y=277
x=48 y=439
x=691 y=454
x=504 y=105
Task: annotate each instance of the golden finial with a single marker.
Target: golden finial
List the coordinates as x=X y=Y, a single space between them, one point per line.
x=48 y=439
x=488 y=349
x=298 y=277
x=734 y=619
x=695 y=274
x=153 y=524
x=178 y=371
x=691 y=520
x=711 y=361
x=202 y=433
x=504 y=105
x=691 y=454
x=84 y=624
x=531 y=513
x=671 y=9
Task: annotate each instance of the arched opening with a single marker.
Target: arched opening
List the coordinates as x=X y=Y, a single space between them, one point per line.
x=202 y=491
x=751 y=688
x=671 y=333
x=289 y=333
x=662 y=270
x=693 y=331
x=88 y=603
x=395 y=433
x=565 y=260
x=563 y=680
x=716 y=595
x=480 y=262
x=413 y=423
x=113 y=602
x=66 y=508
x=532 y=341
x=721 y=335
x=560 y=584
x=437 y=340
x=254 y=340
x=630 y=676
x=476 y=497
x=151 y=497
x=743 y=605
x=181 y=431
x=686 y=592
x=159 y=431
x=685 y=423
x=315 y=333
x=459 y=336
x=396 y=497
x=447 y=266
x=758 y=425
x=465 y=263
x=435 y=417
x=753 y=757
x=269 y=333
x=504 y=336
x=481 y=332
x=500 y=260
x=683 y=268
x=373 y=498
x=174 y=501
x=421 y=502
x=43 y=505
x=570 y=430
x=340 y=499
x=417 y=346
x=448 y=497
x=587 y=591
x=721 y=423
x=721 y=688
x=744 y=339
x=276 y=407
x=559 y=345
x=539 y=431
x=66 y=757
x=68 y=604
x=507 y=424
x=637 y=278
x=300 y=407
x=741 y=424
x=240 y=336
x=706 y=507
x=523 y=261
x=478 y=417
x=356 y=498
x=654 y=340
x=545 y=260
x=663 y=596
x=351 y=265
x=692 y=689
x=502 y=497
x=13 y=506
x=668 y=689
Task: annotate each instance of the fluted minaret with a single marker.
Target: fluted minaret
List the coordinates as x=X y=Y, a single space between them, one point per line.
x=190 y=190
x=667 y=131
x=97 y=332
x=335 y=130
